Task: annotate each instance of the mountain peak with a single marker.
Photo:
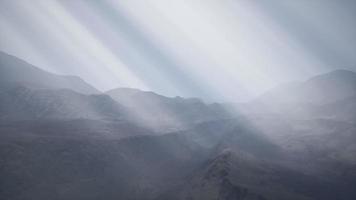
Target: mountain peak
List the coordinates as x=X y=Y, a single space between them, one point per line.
x=336 y=75
x=321 y=89
x=15 y=71
x=131 y=91
x=342 y=71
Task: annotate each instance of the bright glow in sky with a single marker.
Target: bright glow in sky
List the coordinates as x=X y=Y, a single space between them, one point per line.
x=228 y=50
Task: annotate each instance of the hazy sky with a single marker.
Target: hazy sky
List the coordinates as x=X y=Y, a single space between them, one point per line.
x=214 y=49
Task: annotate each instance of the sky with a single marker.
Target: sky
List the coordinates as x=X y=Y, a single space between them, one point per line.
x=218 y=50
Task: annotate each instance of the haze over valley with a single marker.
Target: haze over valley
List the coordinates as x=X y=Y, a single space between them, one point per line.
x=177 y=100
x=63 y=139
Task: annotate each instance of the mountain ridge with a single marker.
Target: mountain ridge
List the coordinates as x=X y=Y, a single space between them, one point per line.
x=15 y=71
x=321 y=89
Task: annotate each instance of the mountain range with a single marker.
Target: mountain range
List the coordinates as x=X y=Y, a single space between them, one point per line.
x=63 y=139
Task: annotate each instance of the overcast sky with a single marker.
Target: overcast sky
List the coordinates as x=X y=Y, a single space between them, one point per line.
x=214 y=49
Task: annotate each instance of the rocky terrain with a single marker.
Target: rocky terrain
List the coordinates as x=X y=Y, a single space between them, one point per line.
x=60 y=138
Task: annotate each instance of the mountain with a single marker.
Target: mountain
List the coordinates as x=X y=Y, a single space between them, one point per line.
x=21 y=103
x=14 y=72
x=322 y=89
x=340 y=110
x=327 y=96
x=64 y=165
x=61 y=141
x=314 y=120
x=233 y=175
x=213 y=181
x=56 y=162
x=166 y=113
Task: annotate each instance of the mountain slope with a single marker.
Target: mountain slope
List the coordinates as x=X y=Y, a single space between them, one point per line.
x=41 y=166
x=327 y=96
x=235 y=175
x=14 y=71
x=20 y=103
x=166 y=113
x=321 y=89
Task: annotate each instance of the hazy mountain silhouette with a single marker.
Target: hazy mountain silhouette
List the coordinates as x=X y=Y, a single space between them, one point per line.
x=328 y=96
x=25 y=103
x=167 y=113
x=322 y=89
x=14 y=71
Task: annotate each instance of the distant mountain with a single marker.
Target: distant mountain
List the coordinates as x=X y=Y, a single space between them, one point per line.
x=344 y=110
x=21 y=103
x=167 y=113
x=314 y=119
x=328 y=96
x=322 y=89
x=14 y=72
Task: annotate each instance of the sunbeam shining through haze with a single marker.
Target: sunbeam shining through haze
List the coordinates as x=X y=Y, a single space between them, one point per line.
x=178 y=99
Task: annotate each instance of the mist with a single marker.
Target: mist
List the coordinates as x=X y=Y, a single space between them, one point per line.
x=177 y=100
x=216 y=50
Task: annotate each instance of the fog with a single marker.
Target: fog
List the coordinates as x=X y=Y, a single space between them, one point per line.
x=153 y=100
x=215 y=50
